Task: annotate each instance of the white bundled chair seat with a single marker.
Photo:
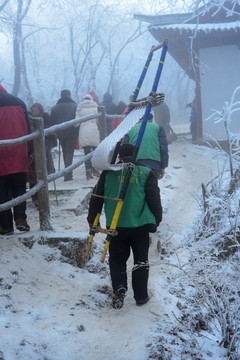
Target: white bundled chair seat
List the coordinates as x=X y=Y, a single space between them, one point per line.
x=103 y=153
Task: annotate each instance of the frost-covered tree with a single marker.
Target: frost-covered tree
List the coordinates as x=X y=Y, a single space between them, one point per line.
x=207 y=284
x=80 y=45
x=12 y=16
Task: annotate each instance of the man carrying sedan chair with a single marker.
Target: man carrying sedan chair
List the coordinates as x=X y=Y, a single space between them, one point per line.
x=141 y=214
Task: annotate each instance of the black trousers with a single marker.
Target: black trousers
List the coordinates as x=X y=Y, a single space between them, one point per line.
x=12 y=186
x=50 y=163
x=119 y=251
x=68 y=145
x=87 y=150
x=193 y=129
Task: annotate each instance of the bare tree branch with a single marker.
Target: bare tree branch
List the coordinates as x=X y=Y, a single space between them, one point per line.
x=3 y=5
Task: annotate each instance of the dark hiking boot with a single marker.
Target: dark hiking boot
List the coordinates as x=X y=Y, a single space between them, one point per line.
x=22 y=225
x=118 y=298
x=89 y=175
x=4 y=231
x=143 y=301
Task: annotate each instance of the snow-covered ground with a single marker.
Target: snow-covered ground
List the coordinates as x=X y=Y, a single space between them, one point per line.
x=50 y=310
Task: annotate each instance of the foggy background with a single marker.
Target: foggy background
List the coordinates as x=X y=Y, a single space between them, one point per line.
x=47 y=46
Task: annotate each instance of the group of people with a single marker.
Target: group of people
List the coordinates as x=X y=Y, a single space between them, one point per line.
x=87 y=134
x=17 y=165
x=141 y=213
x=142 y=209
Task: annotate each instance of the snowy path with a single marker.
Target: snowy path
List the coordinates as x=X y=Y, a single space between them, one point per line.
x=52 y=310
x=127 y=328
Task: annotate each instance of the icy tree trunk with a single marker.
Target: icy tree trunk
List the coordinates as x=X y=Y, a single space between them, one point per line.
x=17 y=38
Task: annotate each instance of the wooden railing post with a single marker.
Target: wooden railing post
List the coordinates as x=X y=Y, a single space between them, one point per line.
x=41 y=172
x=102 y=123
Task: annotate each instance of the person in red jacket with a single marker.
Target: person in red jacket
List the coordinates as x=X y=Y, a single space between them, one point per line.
x=14 y=123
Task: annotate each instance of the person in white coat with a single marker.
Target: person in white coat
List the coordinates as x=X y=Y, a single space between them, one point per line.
x=89 y=136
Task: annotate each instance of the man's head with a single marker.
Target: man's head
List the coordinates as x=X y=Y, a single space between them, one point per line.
x=126 y=151
x=65 y=94
x=150 y=117
x=107 y=97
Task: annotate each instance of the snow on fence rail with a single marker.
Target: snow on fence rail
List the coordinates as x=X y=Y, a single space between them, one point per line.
x=38 y=136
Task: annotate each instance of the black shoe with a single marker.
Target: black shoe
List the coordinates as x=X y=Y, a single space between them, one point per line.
x=118 y=298
x=4 y=231
x=143 y=301
x=22 y=225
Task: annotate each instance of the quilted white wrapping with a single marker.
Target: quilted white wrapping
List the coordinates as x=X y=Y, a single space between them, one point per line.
x=103 y=153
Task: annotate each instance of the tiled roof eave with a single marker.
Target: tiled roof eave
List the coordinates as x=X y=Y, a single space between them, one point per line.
x=199 y=27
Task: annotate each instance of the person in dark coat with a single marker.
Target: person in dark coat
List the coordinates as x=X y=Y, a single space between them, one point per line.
x=141 y=213
x=37 y=110
x=153 y=151
x=193 y=118
x=14 y=161
x=63 y=111
x=110 y=108
x=162 y=117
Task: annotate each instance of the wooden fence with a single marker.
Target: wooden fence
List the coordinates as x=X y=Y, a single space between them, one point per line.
x=38 y=136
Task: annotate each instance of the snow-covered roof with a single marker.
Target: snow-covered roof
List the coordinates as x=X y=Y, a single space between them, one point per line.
x=211 y=25
x=200 y=27
x=208 y=17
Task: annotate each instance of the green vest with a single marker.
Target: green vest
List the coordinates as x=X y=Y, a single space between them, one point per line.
x=135 y=211
x=149 y=147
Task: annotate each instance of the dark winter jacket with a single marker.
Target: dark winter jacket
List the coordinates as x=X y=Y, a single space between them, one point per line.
x=63 y=111
x=110 y=107
x=162 y=117
x=14 y=123
x=142 y=204
x=51 y=138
